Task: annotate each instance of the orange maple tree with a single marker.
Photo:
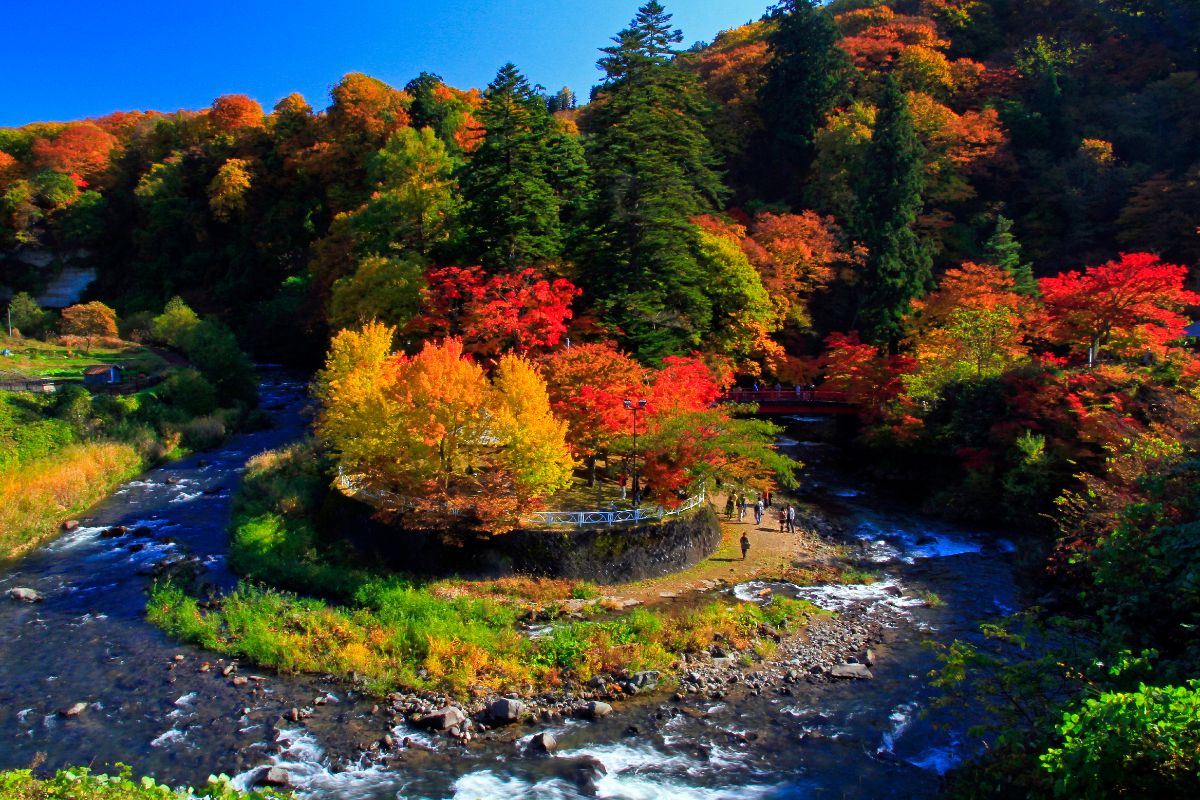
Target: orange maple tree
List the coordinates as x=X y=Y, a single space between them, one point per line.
x=81 y=148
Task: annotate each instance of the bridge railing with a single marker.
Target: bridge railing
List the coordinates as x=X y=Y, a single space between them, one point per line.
x=786 y=395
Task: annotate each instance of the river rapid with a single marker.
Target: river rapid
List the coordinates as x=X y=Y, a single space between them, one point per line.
x=150 y=705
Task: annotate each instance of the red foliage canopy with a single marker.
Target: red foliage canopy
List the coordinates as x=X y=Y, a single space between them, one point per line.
x=521 y=311
x=1128 y=305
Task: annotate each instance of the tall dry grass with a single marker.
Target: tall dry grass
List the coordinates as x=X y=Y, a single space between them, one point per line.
x=36 y=497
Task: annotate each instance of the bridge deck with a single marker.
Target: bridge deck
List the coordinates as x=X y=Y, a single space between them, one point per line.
x=803 y=402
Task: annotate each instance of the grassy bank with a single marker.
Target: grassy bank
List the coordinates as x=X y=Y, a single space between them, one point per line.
x=62 y=452
x=81 y=784
x=36 y=497
x=459 y=637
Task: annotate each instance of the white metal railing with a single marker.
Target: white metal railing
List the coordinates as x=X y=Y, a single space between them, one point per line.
x=578 y=519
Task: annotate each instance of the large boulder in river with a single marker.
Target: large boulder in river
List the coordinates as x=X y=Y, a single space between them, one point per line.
x=505 y=710
x=594 y=709
x=25 y=595
x=583 y=771
x=273 y=776
x=443 y=719
x=542 y=744
x=856 y=671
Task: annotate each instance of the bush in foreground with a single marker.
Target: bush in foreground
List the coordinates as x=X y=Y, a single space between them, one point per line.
x=81 y=784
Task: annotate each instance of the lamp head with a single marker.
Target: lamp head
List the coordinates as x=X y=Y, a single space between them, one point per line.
x=641 y=404
x=629 y=404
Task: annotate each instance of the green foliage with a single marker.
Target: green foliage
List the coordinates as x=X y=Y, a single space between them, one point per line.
x=26 y=434
x=1003 y=250
x=889 y=200
x=214 y=351
x=512 y=210
x=26 y=315
x=807 y=77
x=188 y=390
x=80 y=783
x=414 y=205
x=175 y=325
x=387 y=289
x=1137 y=744
x=649 y=154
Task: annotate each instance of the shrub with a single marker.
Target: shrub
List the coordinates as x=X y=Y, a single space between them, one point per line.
x=174 y=326
x=203 y=433
x=1134 y=744
x=27 y=316
x=79 y=783
x=189 y=391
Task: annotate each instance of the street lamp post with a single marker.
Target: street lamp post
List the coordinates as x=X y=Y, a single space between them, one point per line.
x=635 y=406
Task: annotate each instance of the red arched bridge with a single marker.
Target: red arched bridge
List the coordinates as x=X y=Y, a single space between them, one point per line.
x=788 y=402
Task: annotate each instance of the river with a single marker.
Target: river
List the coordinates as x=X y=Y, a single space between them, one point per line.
x=151 y=706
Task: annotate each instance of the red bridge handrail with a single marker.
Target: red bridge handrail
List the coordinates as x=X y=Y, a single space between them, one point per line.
x=786 y=395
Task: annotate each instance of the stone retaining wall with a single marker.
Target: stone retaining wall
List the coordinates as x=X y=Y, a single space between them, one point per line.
x=602 y=554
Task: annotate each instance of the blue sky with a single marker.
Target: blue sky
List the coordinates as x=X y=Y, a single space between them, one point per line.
x=81 y=58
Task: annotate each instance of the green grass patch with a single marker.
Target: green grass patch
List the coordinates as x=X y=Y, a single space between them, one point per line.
x=307 y=606
x=32 y=358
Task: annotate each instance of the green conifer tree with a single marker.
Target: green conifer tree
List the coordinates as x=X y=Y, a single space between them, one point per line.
x=807 y=76
x=653 y=168
x=511 y=204
x=1003 y=250
x=898 y=264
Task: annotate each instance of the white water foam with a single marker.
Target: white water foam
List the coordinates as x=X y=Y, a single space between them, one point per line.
x=304 y=760
x=168 y=737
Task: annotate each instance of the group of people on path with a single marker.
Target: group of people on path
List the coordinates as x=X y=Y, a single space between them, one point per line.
x=740 y=503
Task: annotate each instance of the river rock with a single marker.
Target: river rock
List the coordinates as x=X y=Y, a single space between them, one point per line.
x=594 y=710
x=505 y=710
x=274 y=776
x=646 y=681
x=443 y=719
x=114 y=532
x=869 y=657
x=857 y=671
x=73 y=710
x=70 y=525
x=583 y=771
x=542 y=743
x=25 y=595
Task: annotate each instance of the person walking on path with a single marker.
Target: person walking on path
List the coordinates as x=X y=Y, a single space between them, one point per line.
x=782 y=519
x=745 y=546
x=741 y=504
x=791 y=519
x=729 y=506
x=758 y=512
x=767 y=498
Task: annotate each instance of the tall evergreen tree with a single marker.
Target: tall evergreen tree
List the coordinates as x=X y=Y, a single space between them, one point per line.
x=1003 y=250
x=511 y=205
x=898 y=264
x=653 y=168
x=807 y=76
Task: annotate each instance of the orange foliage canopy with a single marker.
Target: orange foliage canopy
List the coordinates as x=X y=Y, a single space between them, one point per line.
x=81 y=148
x=232 y=112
